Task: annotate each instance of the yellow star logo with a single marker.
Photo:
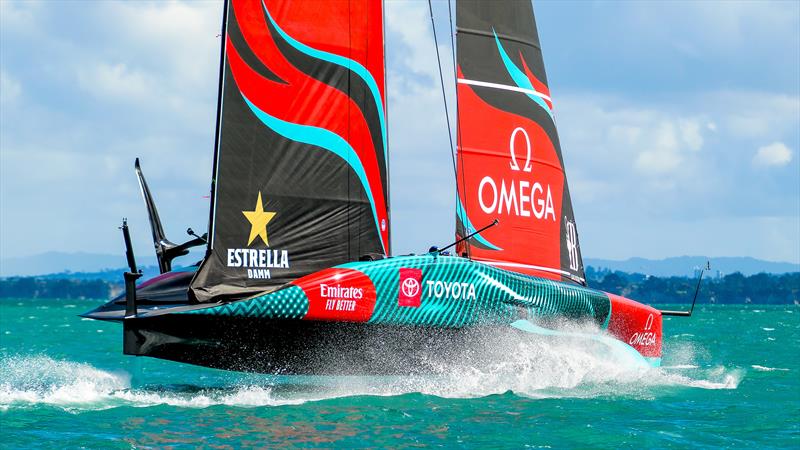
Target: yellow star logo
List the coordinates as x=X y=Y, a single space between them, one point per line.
x=258 y=221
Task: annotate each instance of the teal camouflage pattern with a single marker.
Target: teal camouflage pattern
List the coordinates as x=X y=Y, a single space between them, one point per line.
x=501 y=296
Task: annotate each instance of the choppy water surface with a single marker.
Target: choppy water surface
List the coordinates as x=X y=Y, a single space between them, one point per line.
x=731 y=377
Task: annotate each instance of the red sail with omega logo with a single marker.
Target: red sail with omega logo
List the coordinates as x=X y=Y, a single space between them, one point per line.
x=509 y=157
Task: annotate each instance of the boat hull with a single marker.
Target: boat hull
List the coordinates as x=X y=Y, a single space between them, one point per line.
x=384 y=316
x=298 y=347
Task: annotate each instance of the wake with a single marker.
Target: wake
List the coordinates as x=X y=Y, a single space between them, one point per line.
x=533 y=367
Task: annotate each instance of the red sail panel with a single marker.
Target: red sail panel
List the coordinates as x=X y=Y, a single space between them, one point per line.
x=510 y=165
x=301 y=180
x=363 y=21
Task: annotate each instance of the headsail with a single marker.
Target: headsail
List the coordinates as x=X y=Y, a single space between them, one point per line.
x=301 y=180
x=509 y=157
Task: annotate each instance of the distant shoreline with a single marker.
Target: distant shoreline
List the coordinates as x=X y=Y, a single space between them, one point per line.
x=735 y=288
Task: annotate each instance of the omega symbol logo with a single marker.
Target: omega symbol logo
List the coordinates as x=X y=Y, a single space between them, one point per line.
x=512 y=141
x=410 y=287
x=649 y=323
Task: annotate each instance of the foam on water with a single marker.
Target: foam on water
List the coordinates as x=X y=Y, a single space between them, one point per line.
x=238 y=395
x=533 y=366
x=543 y=367
x=40 y=379
x=768 y=369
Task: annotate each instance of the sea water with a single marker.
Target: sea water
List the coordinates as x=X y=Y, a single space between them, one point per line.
x=730 y=378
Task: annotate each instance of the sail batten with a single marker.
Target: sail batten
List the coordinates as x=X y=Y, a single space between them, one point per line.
x=510 y=165
x=504 y=87
x=505 y=37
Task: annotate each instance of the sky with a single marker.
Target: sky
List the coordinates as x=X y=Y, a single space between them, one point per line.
x=679 y=123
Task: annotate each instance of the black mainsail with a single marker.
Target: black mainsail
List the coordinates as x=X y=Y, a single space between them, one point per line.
x=301 y=180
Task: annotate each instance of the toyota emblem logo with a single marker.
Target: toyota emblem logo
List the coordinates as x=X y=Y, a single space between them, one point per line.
x=410 y=287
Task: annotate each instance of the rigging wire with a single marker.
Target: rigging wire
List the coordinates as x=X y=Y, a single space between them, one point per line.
x=453 y=32
x=444 y=94
x=387 y=158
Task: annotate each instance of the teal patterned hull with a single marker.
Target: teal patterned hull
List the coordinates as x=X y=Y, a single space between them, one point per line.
x=453 y=292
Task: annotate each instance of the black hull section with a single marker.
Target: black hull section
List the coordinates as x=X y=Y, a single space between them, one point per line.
x=296 y=347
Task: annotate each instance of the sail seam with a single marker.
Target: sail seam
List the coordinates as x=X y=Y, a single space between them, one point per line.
x=505 y=37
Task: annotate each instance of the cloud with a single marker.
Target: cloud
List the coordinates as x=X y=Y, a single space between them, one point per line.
x=409 y=47
x=767 y=237
x=610 y=137
x=629 y=159
x=20 y=15
x=665 y=144
x=672 y=49
x=776 y=154
x=690 y=133
x=723 y=25
x=754 y=114
x=103 y=84
x=115 y=81
x=653 y=145
x=10 y=89
x=420 y=163
x=176 y=40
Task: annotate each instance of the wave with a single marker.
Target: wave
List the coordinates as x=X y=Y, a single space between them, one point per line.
x=533 y=368
x=768 y=369
x=41 y=379
x=543 y=367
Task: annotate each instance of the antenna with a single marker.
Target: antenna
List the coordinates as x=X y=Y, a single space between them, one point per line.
x=439 y=251
x=694 y=300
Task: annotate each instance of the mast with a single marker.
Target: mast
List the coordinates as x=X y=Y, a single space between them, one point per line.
x=218 y=125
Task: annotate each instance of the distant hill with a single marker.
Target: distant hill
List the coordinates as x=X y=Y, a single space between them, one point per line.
x=103 y=266
x=55 y=262
x=110 y=275
x=685 y=266
x=64 y=263
x=783 y=289
x=86 y=275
